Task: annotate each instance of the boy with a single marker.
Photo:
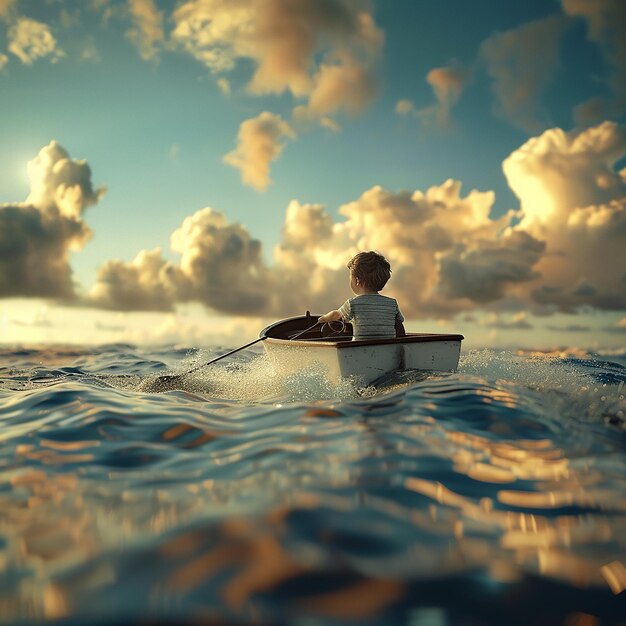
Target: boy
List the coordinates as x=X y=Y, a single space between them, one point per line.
x=373 y=316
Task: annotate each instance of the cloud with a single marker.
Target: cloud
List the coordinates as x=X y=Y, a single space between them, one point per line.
x=37 y=236
x=30 y=40
x=147 y=30
x=426 y=234
x=148 y=283
x=405 y=107
x=521 y=63
x=346 y=85
x=573 y=199
x=482 y=273
x=221 y=263
x=323 y=51
x=174 y=152
x=448 y=84
x=4 y=59
x=518 y=321
x=303 y=120
x=260 y=141
x=606 y=21
x=6 y=7
x=423 y=234
x=224 y=85
x=220 y=267
x=330 y=124
x=60 y=185
x=88 y=52
x=562 y=250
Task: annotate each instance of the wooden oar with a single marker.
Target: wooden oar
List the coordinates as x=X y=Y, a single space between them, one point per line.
x=168 y=381
x=172 y=379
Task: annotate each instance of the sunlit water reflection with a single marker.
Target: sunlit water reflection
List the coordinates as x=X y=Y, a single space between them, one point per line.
x=496 y=495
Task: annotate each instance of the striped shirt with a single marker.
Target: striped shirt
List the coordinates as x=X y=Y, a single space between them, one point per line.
x=372 y=315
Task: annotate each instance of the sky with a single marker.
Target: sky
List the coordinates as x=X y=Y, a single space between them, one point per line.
x=187 y=171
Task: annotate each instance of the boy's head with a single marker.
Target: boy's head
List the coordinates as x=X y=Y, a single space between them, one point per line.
x=371 y=269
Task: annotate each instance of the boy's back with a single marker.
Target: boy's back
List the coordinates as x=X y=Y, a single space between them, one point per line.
x=372 y=315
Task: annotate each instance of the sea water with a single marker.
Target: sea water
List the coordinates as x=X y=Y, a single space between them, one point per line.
x=494 y=495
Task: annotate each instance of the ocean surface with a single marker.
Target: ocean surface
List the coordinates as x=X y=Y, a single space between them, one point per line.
x=492 y=496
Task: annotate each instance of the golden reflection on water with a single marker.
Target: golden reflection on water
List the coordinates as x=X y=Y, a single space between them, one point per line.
x=581 y=619
x=260 y=560
x=68 y=445
x=55 y=605
x=260 y=563
x=57 y=528
x=555 y=546
x=360 y=600
x=203 y=436
x=615 y=575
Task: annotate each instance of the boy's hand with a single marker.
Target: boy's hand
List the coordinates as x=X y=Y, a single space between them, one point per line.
x=331 y=316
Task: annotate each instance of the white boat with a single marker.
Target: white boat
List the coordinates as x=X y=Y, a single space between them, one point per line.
x=298 y=342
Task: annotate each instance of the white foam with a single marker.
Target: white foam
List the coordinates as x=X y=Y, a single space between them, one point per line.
x=565 y=386
x=257 y=381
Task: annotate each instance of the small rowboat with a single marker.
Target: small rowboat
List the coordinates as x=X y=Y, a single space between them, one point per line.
x=298 y=342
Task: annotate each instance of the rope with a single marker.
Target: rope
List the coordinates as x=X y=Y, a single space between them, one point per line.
x=304 y=331
x=329 y=324
x=334 y=331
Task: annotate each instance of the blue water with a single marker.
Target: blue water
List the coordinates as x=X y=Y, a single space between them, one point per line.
x=495 y=495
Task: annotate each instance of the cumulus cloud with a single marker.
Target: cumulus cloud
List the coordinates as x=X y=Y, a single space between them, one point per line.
x=573 y=199
x=324 y=51
x=221 y=263
x=422 y=234
x=606 y=21
x=483 y=272
x=220 y=266
x=260 y=141
x=562 y=250
x=4 y=59
x=148 y=283
x=147 y=30
x=447 y=84
x=521 y=63
x=30 y=40
x=308 y=265
x=346 y=85
x=426 y=234
x=60 y=185
x=37 y=236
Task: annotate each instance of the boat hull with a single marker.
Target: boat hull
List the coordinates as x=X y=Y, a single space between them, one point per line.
x=342 y=357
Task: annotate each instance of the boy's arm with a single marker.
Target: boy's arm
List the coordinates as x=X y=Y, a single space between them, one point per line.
x=331 y=316
x=400 y=332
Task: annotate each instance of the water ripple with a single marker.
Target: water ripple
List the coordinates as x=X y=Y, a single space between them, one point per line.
x=469 y=498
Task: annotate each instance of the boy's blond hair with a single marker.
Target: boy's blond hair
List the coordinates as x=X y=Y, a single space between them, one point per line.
x=371 y=268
